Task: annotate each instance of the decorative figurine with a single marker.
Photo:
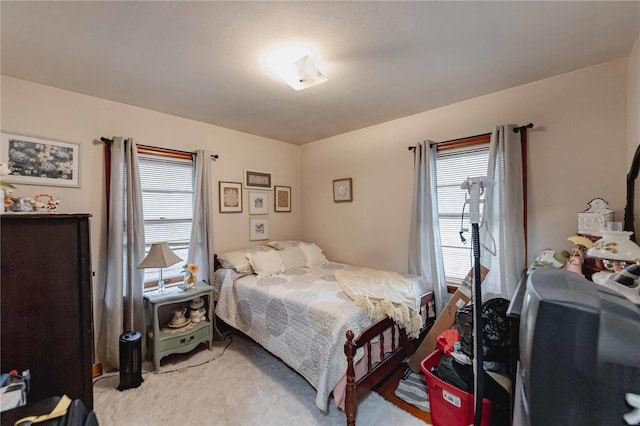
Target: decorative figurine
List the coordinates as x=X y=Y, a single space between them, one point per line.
x=197 y=311
x=45 y=202
x=576 y=259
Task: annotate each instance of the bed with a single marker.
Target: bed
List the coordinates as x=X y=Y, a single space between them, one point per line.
x=301 y=314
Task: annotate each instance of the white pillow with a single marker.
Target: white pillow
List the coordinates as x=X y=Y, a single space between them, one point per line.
x=314 y=255
x=293 y=258
x=281 y=245
x=235 y=260
x=266 y=263
x=256 y=249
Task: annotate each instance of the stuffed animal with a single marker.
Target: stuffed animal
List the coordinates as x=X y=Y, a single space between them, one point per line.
x=550 y=258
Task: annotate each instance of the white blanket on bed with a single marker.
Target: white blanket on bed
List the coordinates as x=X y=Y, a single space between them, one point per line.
x=382 y=293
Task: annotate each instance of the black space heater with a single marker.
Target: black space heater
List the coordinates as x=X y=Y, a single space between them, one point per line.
x=130 y=360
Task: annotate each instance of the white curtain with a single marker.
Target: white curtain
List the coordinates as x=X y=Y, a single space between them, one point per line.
x=425 y=254
x=123 y=302
x=502 y=228
x=201 y=244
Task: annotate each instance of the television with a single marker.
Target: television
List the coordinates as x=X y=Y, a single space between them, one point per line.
x=579 y=351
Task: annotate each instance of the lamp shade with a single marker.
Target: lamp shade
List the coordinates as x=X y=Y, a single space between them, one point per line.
x=615 y=245
x=160 y=256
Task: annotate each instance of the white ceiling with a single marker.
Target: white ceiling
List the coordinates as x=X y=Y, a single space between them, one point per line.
x=384 y=60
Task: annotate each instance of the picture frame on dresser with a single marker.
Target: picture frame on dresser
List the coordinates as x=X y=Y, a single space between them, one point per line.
x=36 y=161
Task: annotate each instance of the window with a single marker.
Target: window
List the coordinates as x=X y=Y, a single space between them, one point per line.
x=454 y=163
x=167 y=200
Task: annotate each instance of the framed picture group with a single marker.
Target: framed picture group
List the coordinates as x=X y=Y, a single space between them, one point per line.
x=257 y=186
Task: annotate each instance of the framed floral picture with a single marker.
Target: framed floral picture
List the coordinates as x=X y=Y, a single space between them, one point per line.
x=282 y=198
x=342 y=190
x=257 y=180
x=258 y=229
x=35 y=161
x=258 y=202
x=230 y=194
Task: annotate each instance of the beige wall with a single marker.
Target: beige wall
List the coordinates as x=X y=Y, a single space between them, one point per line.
x=43 y=111
x=577 y=151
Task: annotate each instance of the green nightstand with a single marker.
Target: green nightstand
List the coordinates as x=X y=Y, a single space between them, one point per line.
x=167 y=340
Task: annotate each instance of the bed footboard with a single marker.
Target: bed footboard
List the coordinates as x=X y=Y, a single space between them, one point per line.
x=401 y=347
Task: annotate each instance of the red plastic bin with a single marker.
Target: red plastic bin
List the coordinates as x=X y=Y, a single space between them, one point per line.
x=450 y=406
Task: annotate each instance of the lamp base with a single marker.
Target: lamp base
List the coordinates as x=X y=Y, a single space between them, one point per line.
x=161 y=285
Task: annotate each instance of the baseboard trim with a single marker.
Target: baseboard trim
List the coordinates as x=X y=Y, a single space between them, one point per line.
x=96 y=370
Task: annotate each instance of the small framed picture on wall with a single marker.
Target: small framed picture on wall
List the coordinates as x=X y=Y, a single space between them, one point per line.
x=258 y=229
x=257 y=180
x=282 y=198
x=258 y=202
x=342 y=190
x=230 y=197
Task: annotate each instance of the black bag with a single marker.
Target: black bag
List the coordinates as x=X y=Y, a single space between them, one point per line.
x=464 y=325
x=496 y=338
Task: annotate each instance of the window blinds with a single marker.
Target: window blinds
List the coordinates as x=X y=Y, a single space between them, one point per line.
x=167 y=200
x=453 y=167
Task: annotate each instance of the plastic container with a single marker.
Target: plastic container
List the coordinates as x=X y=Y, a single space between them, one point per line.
x=450 y=406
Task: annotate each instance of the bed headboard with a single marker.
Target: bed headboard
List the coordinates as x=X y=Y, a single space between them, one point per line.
x=216 y=263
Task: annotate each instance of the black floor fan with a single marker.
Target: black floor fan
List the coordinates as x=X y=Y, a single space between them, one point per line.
x=476 y=187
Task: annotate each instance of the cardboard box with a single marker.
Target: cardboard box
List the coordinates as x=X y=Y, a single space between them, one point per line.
x=445 y=320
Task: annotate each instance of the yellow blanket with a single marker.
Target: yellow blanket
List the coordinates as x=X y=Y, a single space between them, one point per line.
x=382 y=293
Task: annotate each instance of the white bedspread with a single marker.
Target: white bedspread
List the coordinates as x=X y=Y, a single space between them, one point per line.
x=301 y=316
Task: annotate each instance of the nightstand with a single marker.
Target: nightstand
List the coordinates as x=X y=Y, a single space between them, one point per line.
x=158 y=310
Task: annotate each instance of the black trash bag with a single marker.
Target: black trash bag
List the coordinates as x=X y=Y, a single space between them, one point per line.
x=496 y=338
x=496 y=341
x=464 y=325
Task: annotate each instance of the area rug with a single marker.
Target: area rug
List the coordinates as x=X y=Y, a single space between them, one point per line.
x=413 y=389
x=237 y=383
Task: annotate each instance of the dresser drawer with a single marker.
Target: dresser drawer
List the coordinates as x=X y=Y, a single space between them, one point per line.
x=184 y=340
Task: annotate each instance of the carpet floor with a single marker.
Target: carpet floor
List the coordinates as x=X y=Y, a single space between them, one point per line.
x=237 y=383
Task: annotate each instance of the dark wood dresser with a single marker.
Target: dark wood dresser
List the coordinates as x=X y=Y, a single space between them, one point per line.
x=45 y=297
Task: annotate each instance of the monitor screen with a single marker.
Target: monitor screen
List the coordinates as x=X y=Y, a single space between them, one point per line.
x=579 y=351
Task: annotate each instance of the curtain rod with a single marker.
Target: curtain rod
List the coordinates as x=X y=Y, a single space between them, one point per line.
x=214 y=156
x=526 y=126
x=515 y=130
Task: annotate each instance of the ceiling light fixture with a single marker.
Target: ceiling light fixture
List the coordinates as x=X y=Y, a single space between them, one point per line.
x=297 y=65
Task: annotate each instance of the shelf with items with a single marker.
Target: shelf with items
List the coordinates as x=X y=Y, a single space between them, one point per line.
x=165 y=339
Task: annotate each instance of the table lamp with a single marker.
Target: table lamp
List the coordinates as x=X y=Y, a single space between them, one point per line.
x=159 y=256
x=616 y=250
